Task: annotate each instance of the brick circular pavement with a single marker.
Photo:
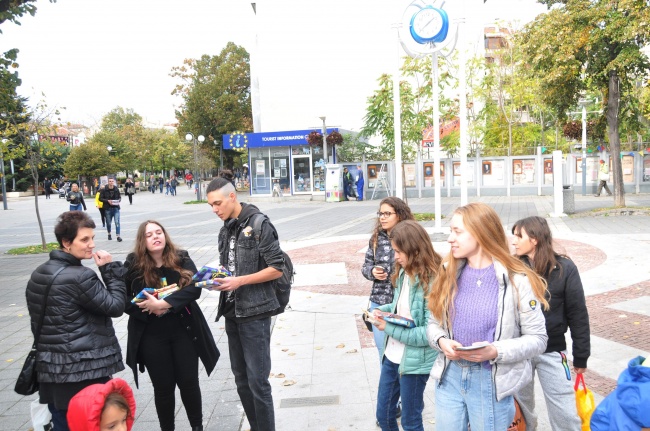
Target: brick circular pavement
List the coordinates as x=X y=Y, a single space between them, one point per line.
x=352 y=253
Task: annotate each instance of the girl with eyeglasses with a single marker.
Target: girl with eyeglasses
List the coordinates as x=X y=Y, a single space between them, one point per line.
x=380 y=258
x=486 y=321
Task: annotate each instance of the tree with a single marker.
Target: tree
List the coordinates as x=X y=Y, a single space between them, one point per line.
x=216 y=97
x=91 y=159
x=12 y=10
x=415 y=105
x=583 y=45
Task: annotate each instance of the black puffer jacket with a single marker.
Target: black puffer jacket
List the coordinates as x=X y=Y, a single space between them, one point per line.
x=77 y=340
x=568 y=310
x=381 y=254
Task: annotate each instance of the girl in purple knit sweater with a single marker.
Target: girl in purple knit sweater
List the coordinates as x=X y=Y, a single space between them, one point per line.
x=487 y=322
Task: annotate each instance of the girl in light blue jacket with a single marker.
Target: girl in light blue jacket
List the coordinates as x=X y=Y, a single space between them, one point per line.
x=407 y=357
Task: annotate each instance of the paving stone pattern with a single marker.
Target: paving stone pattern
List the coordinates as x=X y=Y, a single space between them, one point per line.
x=610 y=251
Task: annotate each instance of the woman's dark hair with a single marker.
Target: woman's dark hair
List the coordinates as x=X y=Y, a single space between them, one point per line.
x=545 y=257
x=402 y=211
x=116 y=399
x=145 y=265
x=68 y=225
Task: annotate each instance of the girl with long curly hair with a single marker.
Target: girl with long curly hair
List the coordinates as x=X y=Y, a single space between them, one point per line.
x=167 y=336
x=407 y=358
x=487 y=321
x=380 y=259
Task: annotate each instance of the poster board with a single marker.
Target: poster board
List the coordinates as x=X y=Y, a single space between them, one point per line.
x=494 y=173
x=627 y=165
x=409 y=175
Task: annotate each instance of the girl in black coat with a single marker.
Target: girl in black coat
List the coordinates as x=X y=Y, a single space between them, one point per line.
x=77 y=346
x=167 y=336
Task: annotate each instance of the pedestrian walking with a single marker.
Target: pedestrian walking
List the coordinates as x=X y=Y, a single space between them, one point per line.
x=247 y=299
x=167 y=337
x=110 y=197
x=173 y=183
x=129 y=189
x=407 y=357
x=603 y=177
x=47 y=188
x=100 y=205
x=106 y=406
x=360 y=183
x=152 y=183
x=78 y=346
x=76 y=198
x=533 y=244
x=167 y=187
x=486 y=320
x=161 y=183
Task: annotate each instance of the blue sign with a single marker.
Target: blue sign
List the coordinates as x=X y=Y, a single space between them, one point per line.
x=241 y=140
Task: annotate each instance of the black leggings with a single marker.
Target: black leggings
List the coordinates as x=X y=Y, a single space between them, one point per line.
x=171 y=360
x=102 y=212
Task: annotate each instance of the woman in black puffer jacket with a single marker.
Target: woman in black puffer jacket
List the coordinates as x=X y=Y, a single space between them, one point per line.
x=77 y=346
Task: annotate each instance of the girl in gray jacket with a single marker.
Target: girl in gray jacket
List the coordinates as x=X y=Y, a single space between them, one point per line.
x=487 y=322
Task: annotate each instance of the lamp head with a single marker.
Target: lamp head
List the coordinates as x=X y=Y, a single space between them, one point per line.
x=189 y=137
x=201 y=138
x=323 y=118
x=109 y=148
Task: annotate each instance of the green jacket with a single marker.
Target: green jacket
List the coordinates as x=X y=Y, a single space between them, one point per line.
x=418 y=356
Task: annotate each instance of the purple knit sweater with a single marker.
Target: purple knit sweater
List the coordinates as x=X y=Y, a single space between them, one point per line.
x=476 y=308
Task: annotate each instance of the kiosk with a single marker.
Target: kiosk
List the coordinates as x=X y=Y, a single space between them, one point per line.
x=334 y=183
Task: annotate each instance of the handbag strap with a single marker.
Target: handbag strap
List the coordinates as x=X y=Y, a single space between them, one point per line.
x=41 y=319
x=580 y=378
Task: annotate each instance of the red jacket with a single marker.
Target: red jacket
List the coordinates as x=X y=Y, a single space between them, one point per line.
x=85 y=408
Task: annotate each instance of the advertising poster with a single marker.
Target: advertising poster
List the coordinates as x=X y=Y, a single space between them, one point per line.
x=627 y=164
x=409 y=175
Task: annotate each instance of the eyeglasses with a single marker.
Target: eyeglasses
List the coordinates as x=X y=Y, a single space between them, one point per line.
x=386 y=214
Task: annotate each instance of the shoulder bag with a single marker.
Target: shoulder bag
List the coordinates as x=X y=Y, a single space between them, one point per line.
x=27 y=382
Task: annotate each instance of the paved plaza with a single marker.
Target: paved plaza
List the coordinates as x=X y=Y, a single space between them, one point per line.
x=325 y=365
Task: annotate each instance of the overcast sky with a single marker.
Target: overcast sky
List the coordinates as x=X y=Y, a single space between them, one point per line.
x=317 y=57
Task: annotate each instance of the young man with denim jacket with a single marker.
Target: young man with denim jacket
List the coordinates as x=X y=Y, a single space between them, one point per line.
x=247 y=299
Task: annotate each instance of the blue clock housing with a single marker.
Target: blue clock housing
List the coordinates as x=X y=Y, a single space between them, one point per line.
x=433 y=34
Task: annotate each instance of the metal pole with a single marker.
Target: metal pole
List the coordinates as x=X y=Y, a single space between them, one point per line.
x=4 y=185
x=325 y=141
x=584 y=149
x=196 y=171
x=397 y=126
x=13 y=177
x=436 y=143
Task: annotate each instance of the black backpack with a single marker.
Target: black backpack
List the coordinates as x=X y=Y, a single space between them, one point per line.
x=282 y=284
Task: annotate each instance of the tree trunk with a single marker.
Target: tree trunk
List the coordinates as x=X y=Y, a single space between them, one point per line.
x=38 y=213
x=613 y=100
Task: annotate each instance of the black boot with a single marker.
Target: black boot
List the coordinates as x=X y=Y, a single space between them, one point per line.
x=197 y=428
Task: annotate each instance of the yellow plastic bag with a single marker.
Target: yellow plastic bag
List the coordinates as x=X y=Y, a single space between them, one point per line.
x=584 y=402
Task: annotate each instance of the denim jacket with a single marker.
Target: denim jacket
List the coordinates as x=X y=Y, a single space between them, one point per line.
x=251 y=257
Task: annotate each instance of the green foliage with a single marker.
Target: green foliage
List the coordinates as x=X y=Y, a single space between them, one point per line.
x=355 y=149
x=416 y=110
x=34 y=249
x=90 y=159
x=12 y=10
x=594 y=45
x=216 y=98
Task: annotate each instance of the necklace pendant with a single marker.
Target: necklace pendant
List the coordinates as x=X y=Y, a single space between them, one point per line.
x=478 y=283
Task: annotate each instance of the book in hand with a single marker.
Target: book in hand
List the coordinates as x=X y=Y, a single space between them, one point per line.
x=161 y=293
x=474 y=346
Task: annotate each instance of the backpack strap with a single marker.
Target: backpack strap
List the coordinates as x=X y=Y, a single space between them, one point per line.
x=255 y=221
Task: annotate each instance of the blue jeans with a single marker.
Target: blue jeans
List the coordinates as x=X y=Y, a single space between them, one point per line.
x=411 y=388
x=466 y=395
x=76 y=207
x=59 y=418
x=377 y=333
x=113 y=213
x=249 y=345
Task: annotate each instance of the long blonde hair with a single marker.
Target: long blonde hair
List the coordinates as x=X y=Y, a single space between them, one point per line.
x=483 y=223
x=422 y=260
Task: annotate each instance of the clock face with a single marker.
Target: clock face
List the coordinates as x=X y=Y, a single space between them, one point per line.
x=427 y=24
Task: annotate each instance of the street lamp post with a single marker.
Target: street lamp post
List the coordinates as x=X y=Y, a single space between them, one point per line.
x=4 y=183
x=324 y=138
x=197 y=177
